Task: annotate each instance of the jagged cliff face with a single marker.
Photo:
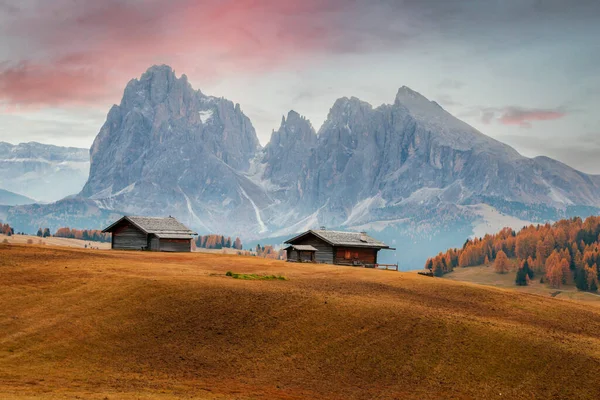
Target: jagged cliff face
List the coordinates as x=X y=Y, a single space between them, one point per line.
x=170 y=147
x=284 y=167
x=412 y=161
x=161 y=125
x=406 y=169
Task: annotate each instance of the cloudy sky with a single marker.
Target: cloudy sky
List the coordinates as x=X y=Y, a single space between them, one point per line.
x=526 y=72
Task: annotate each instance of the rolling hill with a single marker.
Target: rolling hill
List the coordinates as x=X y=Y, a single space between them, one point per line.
x=107 y=324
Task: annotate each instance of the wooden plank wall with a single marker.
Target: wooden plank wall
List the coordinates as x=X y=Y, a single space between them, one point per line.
x=154 y=243
x=366 y=256
x=306 y=256
x=292 y=255
x=128 y=237
x=324 y=252
x=176 y=245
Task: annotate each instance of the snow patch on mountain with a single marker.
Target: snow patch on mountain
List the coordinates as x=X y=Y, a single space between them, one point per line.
x=263 y=227
x=190 y=208
x=491 y=220
x=363 y=208
x=421 y=196
x=378 y=226
x=205 y=115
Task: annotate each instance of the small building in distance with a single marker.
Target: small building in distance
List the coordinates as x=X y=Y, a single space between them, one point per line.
x=334 y=247
x=150 y=233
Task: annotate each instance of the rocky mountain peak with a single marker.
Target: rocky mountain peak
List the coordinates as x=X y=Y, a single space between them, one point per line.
x=294 y=128
x=292 y=117
x=345 y=105
x=157 y=85
x=159 y=72
x=416 y=103
x=345 y=111
x=162 y=120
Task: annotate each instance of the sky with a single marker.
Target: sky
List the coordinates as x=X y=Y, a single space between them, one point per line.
x=525 y=72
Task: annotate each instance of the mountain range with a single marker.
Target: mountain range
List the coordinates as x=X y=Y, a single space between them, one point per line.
x=43 y=172
x=408 y=172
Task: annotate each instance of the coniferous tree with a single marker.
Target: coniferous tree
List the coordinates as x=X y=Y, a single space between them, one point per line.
x=437 y=269
x=521 y=279
x=501 y=265
x=40 y=232
x=237 y=244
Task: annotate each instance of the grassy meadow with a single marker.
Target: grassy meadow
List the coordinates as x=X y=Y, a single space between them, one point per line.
x=101 y=324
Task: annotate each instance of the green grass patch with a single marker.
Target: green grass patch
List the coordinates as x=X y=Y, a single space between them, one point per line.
x=255 y=277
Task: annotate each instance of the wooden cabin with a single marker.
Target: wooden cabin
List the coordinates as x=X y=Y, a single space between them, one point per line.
x=301 y=253
x=334 y=247
x=150 y=233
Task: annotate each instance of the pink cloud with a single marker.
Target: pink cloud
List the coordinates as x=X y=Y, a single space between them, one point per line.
x=523 y=117
x=85 y=52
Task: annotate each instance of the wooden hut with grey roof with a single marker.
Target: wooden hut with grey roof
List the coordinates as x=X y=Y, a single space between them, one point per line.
x=150 y=233
x=334 y=247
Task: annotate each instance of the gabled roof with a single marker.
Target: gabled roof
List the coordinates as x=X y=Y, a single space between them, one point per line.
x=339 y=238
x=166 y=228
x=301 y=247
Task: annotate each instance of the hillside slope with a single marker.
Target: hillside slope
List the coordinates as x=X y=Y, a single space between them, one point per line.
x=100 y=324
x=9 y=198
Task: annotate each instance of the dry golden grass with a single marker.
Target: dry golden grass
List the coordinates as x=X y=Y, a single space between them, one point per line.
x=52 y=241
x=127 y=325
x=485 y=275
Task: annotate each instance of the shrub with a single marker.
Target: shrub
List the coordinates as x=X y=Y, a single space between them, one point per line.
x=255 y=277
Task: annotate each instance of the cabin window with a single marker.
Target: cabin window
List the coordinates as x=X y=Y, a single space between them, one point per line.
x=356 y=255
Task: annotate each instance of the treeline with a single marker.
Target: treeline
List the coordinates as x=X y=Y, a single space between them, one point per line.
x=268 y=252
x=7 y=230
x=565 y=252
x=218 y=242
x=264 y=252
x=92 y=235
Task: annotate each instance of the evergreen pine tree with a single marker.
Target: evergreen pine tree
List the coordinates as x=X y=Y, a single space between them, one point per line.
x=581 y=279
x=437 y=269
x=521 y=279
x=528 y=269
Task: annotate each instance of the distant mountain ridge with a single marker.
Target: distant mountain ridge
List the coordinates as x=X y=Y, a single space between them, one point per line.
x=409 y=170
x=8 y=198
x=41 y=171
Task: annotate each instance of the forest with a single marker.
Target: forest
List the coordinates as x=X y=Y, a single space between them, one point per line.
x=566 y=252
x=93 y=235
x=7 y=230
x=218 y=242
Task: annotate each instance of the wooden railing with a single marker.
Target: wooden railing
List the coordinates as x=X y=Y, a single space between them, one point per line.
x=392 y=267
